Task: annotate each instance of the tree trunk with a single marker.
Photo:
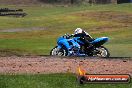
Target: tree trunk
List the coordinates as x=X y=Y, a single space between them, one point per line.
x=72 y=1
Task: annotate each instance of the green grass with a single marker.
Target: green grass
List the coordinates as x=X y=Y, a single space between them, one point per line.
x=50 y=81
x=59 y=20
x=49 y=16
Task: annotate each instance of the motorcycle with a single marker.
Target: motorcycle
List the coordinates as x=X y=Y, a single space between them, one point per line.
x=67 y=46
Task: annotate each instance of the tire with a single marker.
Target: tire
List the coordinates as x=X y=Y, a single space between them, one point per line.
x=62 y=52
x=103 y=52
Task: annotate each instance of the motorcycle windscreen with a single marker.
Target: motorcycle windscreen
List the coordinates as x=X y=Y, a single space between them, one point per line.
x=100 y=41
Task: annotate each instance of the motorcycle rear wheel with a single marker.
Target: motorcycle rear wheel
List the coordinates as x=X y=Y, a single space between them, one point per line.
x=103 y=52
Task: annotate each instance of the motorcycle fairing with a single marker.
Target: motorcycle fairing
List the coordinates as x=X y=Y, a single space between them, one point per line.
x=100 y=41
x=65 y=42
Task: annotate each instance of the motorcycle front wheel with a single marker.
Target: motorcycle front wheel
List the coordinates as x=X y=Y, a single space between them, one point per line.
x=59 y=52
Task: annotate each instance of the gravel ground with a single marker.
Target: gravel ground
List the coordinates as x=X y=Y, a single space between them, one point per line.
x=46 y=64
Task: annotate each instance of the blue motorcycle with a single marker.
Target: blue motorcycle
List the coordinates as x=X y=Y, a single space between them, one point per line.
x=74 y=46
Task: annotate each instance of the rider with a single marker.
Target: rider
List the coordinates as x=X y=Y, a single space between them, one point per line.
x=84 y=36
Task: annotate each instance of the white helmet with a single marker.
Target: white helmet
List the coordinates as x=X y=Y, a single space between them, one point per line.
x=78 y=30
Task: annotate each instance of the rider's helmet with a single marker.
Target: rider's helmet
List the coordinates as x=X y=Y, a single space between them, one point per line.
x=78 y=30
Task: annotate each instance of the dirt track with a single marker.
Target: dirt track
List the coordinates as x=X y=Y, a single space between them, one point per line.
x=35 y=65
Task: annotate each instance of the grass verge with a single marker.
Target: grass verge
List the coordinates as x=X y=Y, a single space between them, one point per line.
x=50 y=81
x=110 y=20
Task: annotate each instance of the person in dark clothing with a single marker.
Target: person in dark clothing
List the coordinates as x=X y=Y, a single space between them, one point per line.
x=84 y=36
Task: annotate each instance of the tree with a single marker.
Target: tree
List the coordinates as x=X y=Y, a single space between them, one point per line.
x=72 y=1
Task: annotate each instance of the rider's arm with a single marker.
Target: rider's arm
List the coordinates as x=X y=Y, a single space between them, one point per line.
x=88 y=35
